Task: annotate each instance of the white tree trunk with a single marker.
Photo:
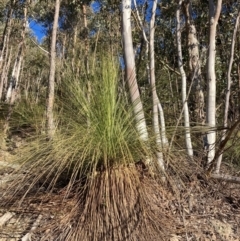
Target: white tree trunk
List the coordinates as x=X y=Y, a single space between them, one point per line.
x=160 y=110
x=130 y=71
x=156 y=126
x=228 y=92
x=13 y=85
x=211 y=79
x=184 y=84
x=50 y=120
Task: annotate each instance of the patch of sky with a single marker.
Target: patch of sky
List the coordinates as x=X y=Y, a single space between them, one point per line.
x=96 y=6
x=39 y=31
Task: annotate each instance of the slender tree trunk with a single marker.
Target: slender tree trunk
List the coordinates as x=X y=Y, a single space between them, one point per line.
x=194 y=65
x=156 y=126
x=6 y=35
x=130 y=70
x=13 y=85
x=184 y=84
x=160 y=110
x=5 y=70
x=50 y=120
x=214 y=13
x=228 y=92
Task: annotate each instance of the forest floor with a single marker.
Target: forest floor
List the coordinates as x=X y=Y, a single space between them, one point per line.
x=204 y=212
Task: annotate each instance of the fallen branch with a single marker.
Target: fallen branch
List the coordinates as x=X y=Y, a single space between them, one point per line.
x=27 y=236
x=7 y=216
x=226 y=178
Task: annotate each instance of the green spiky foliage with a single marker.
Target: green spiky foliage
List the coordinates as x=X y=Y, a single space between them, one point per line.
x=95 y=129
x=93 y=157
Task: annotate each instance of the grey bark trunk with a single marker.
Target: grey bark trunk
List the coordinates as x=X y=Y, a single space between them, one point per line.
x=211 y=79
x=50 y=103
x=130 y=71
x=194 y=66
x=13 y=85
x=184 y=85
x=156 y=126
x=228 y=92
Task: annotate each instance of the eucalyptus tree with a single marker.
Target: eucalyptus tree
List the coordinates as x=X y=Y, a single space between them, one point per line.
x=5 y=53
x=214 y=13
x=130 y=69
x=155 y=101
x=184 y=83
x=50 y=101
x=194 y=64
x=228 y=90
x=13 y=87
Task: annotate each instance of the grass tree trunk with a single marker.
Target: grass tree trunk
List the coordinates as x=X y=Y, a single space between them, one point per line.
x=156 y=126
x=214 y=13
x=184 y=84
x=229 y=79
x=50 y=120
x=130 y=70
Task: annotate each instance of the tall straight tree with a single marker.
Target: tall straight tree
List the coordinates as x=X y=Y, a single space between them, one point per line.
x=214 y=13
x=50 y=120
x=130 y=71
x=228 y=92
x=184 y=84
x=156 y=126
x=13 y=87
x=194 y=64
x=4 y=47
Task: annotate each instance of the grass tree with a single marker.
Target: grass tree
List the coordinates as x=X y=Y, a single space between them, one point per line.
x=95 y=163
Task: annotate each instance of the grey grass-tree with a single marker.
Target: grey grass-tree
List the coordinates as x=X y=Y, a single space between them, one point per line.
x=51 y=81
x=214 y=13
x=184 y=83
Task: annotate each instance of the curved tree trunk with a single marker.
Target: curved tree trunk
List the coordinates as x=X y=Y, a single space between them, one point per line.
x=130 y=71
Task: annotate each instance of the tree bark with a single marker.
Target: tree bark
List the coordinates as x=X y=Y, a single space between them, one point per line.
x=50 y=103
x=155 y=99
x=6 y=34
x=228 y=92
x=184 y=84
x=130 y=71
x=214 y=13
x=13 y=85
x=194 y=65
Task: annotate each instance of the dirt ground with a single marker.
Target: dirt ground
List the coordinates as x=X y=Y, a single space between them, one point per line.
x=203 y=211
